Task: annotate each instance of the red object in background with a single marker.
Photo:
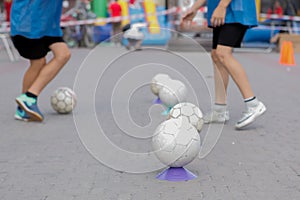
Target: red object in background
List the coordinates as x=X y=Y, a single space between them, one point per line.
x=115 y=9
x=278 y=11
x=131 y=1
x=7 y=5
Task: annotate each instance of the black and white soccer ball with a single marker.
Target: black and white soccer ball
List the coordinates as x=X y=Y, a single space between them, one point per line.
x=63 y=100
x=158 y=82
x=176 y=142
x=189 y=111
x=172 y=93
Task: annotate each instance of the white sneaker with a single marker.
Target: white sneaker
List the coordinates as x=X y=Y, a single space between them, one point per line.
x=216 y=117
x=250 y=115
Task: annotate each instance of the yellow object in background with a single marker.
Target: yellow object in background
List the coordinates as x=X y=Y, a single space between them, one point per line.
x=151 y=18
x=258 y=7
x=125 y=12
x=100 y=21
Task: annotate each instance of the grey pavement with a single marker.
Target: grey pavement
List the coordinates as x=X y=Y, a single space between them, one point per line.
x=49 y=161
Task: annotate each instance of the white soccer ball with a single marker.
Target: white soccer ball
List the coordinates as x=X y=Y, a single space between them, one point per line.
x=158 y=82
x=189 y=111
x=176 y=142
x=63 y=100
x=172 y=93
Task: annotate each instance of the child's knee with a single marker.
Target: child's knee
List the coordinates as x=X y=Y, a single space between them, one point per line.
x=223 y=55
x=64 y=56
x=214 y=56
x=67 y=55
x=220 y=54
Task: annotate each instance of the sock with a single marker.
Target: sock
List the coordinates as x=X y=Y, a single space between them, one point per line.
x=251 y=102
x=220 y=107
x=29 y=94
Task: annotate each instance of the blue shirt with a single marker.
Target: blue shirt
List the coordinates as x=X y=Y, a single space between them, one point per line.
x=36 y=18
x=238 y=11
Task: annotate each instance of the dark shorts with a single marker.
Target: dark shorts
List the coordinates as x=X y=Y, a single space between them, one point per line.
x=230 y=35
x=34 y=48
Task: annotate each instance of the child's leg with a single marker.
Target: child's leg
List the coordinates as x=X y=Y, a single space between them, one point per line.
x=138 y=44
x=49 y=71
x=254 y=108
x=221 y=78
x=131 y=42
x=33 y=71
x=235 y=70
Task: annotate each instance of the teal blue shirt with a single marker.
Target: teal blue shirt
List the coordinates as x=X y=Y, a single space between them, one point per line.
x=36 y=18
x=238 y=11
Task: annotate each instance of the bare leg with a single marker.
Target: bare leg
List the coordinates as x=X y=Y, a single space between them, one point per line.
x=49 y=71
x=235 y=69
x=32 y=73
x=130 y=43
x=221 y=78
x=116 y=29
x=138 y=44
x=219 y=113
x=113 y=34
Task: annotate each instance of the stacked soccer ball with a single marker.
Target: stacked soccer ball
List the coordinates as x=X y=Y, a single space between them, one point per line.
x=169 y=91
x=176 y=141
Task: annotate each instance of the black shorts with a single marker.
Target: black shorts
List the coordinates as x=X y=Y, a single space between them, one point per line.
x=34 y=48
x=230 y=35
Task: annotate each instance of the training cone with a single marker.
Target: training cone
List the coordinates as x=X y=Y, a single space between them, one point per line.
x=176 y=174
x=287 y=54
x=157 y=101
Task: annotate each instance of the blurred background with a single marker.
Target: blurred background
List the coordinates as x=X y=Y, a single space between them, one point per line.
x=86 y=23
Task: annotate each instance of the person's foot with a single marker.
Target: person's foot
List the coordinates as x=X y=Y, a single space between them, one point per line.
x=21 y=115
x=250 y=115
x=29 y=105
x=216 y=117
x=127 y=47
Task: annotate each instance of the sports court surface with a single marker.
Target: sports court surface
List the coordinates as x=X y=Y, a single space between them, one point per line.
x=48 y=161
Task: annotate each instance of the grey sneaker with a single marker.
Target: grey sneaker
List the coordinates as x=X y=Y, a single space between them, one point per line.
x=216 y=117
x=250 y=115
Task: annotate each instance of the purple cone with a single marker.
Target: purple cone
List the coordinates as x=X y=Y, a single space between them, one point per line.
x=157 y=101
x=176 y=174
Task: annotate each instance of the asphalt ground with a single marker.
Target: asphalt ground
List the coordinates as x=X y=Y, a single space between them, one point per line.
x=63 y=158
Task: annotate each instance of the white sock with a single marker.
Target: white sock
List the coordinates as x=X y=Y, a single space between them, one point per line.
x=220 y=107
x=251 y=102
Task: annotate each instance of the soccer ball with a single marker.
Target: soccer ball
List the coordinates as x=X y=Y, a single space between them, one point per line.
x=189 y=111
x=172 y=93
x=176 y=142
x=63 y=100
x=158 y=82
